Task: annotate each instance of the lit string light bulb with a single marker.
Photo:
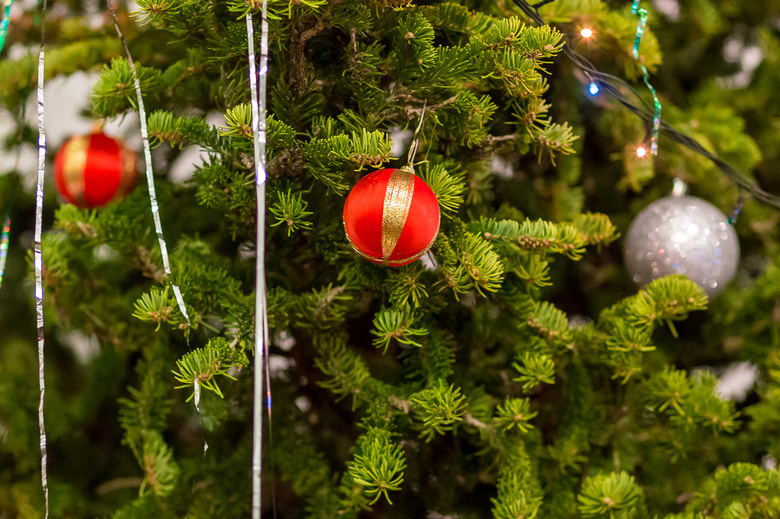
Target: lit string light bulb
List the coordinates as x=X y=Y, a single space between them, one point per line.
x=641 y=151
x=586 y=32
x=593 y=89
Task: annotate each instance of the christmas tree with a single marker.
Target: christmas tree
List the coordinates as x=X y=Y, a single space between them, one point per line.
x=514 y=371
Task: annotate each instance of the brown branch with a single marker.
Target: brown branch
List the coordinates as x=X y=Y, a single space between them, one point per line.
x=297 y=46
x=470 y=420
x=117 y=484
x=143 y=261
x=490 y=139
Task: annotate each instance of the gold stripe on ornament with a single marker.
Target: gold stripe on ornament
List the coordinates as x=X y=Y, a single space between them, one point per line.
x=396 y=262
x=74 y=165
x=127 y=178
x=398 y=201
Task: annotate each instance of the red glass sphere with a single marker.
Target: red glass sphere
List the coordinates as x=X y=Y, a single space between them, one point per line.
x=92 y=170
x=391 y=217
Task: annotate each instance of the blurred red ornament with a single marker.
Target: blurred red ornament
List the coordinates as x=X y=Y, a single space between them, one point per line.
x=391 y=217
x=92 y=170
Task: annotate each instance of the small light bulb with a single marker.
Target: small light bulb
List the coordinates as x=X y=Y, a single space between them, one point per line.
x=586 y=32
x=641 y=152
x=593 y=89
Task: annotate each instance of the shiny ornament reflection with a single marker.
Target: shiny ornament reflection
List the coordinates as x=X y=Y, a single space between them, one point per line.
x=682 y=235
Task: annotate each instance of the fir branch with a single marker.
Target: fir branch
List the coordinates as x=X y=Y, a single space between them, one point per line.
x=537 y=236
x=160 y=470
x=514 y=412
x=143 y=415
x=347 y=373
x=551 y=324
x=378 y=465
x=157 y=306
x=439 y=408
x=531 y=269
x=368 y=148
x=396 y=323
x=455 y=18
x=432 y=361
x=414 y=41
x=290 y=209
x=605 y=495
x=596 y=228
x=204 y=364
x=405 y=285
x=665 y=299
x=519 y=494
x=480 y=262
x=535 y=369
x=322 y=309
x=179 y=131
x=19 y=75
x=114 y=92
x=454 y=274
x=690 y=401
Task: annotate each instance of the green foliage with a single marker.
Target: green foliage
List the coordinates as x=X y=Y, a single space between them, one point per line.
x=290 y=209
x=157 y=306
x=347 y=373
x=518 y=495
x=534 y=370
x=609 y=495
x=202 y=365
x=690 y=401
x=114 y=92
x=514 y=370
x=515 y=412
x=447 y=187
x=378 y=465
x=439 y=408
x=395 y=323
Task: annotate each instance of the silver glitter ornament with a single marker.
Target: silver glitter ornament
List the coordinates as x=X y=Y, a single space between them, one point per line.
x=682 y=235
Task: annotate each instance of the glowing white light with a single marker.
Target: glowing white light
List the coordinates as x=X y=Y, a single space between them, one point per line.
x=641 y=152
x=586 y=32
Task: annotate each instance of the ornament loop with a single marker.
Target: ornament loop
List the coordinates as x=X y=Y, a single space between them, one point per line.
x=680 y=187
x=415 y=141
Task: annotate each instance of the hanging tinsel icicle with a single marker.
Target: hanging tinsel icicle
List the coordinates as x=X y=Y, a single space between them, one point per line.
x=149 y=170
x=257 y=85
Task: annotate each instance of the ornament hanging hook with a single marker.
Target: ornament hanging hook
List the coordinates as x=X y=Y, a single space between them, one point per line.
x=680 y=187
x=415 y=140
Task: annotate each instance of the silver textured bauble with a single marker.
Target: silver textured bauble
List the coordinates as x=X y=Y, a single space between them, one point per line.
x=682 y=235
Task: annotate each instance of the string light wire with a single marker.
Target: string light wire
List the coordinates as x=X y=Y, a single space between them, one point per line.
x=616 y=87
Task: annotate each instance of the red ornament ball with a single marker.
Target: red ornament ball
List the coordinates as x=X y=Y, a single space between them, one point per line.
x=92 y=170
x=391 y=217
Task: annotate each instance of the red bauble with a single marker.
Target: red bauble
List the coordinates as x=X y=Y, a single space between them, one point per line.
x=391 y=217
x=93 y=170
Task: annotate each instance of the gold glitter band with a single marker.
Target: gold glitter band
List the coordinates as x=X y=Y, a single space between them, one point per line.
x=398 y=201
x=73 y=167
x=397 y=262
x=127 y=178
